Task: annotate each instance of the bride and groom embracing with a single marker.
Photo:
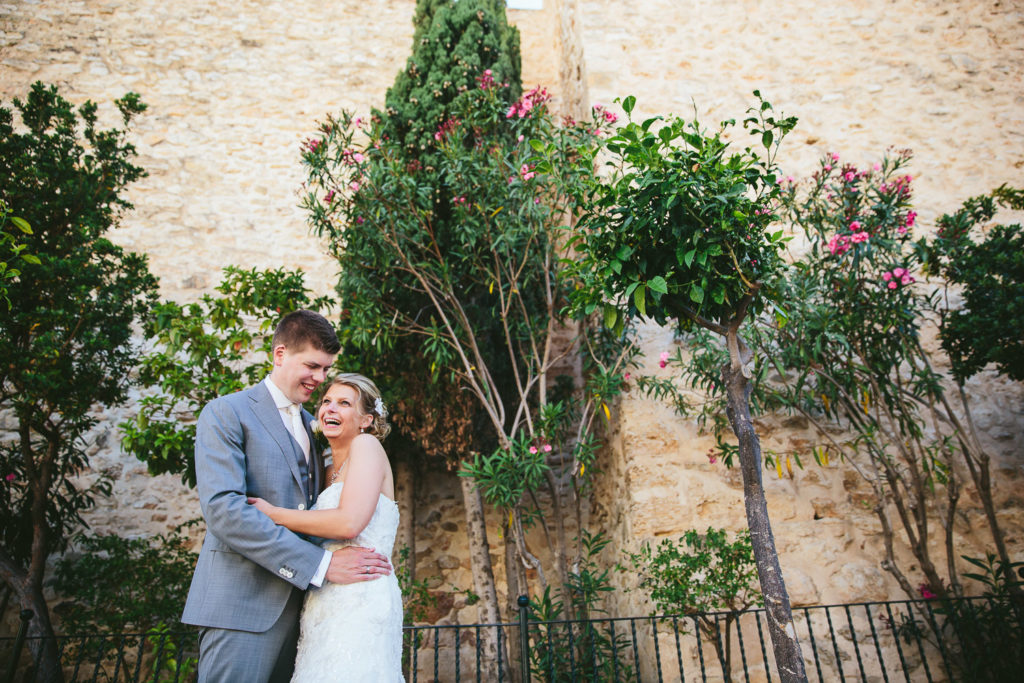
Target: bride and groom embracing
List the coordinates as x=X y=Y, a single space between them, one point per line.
x=259 y=476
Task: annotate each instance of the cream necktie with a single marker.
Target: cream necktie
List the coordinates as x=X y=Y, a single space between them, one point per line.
x=299 y=429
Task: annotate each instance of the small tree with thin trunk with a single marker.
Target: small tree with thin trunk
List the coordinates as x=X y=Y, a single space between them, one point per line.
x=66 y=340
x=679 y=231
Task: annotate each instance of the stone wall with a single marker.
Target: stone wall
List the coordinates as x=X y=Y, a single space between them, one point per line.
x=234 y=87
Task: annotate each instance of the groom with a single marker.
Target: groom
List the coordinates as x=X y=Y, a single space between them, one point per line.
x=249 y=581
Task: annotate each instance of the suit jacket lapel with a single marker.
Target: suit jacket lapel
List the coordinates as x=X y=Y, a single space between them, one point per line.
x=269 y=415
x=316 y=463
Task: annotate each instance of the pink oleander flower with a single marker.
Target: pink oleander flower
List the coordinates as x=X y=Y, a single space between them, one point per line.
x=899 y=272
x=358 y=158
x=547 y=448
x=902 y=230
x=485 y=81
x=926 y=592
x=828 y=167
x=911 y=217
x=849 y=176
x=886 y=276
x=360 y=220
x=626 y=377
x=10 y=477
x=610 y=116
x=663 y=359
x=877 y=166
x=354 y=186
x=358 y=121
x=859 y=237
x=526 y=172
x=536 y=200
x=906 y=280
x=329 y=197
x=712 y=458
x=313 y=145
x=533 y=449
x=521 y=138
x=854 y=226
x=835 y=156
x=839 y=245
x=892 y=284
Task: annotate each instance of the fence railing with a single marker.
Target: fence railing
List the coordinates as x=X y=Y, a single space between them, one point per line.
x=908 y=641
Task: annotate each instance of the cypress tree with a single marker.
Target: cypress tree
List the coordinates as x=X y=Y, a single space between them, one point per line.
x=454 y=41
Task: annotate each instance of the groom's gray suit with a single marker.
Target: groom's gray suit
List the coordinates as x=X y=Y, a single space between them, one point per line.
x=251 y=572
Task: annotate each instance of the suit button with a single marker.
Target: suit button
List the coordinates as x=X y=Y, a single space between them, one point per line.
x=302 y=506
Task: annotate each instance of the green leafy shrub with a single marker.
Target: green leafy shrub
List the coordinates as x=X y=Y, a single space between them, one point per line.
x=202 y=350
x=986 y=263
x=563 y=649
x=698 y=574
x=124 y=585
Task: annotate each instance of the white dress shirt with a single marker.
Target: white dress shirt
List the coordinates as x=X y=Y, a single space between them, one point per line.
x=283 y=404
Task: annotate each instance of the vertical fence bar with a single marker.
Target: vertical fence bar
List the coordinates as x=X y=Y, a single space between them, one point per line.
x=896 y=639
x=700 y=649
x=19 y=642
x=501 y=670
x=636 y=653
x=679 y=649
x=478 y=654
x=920 y=646
x=572 y=653
x=458 y=647
x=657 y=650
x=938 y=638
x=524 y=638
x=764 y=651
x=835 y=642
x=856 y=647
x=814 y=646
x=615 y=652
x=878 y=646
x=739 y=639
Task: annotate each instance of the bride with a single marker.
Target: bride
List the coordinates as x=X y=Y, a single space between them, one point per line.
x=350 y=632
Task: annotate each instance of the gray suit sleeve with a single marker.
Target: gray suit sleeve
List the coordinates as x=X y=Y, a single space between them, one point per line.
x=224 y=482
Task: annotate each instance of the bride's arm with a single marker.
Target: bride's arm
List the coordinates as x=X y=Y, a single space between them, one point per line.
x=366 y=471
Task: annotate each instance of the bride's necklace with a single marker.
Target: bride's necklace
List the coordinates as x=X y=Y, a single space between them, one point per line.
x=334 y=477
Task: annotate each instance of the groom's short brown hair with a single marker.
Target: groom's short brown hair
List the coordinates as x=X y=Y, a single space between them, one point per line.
x=302 y=327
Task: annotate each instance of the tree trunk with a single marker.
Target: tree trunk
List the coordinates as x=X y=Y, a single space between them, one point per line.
x=405 y=490
x=786 y=646
x=515 y=585
x=483 y=577
x=42 y=643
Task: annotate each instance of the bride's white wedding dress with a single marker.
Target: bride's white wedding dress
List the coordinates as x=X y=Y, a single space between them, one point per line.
x=353 y=632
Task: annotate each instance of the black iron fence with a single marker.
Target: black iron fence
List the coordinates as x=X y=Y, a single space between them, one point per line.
x=910 y=641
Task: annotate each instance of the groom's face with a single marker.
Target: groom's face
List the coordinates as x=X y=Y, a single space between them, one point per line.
x=297 y=373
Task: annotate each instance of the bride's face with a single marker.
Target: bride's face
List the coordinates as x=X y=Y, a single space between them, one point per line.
x=339 y=414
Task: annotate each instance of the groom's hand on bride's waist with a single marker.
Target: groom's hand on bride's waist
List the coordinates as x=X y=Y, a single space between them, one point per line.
x=353 y=564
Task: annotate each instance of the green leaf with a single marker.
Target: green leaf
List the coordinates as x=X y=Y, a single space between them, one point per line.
x=696 y=293
x=628 y=104
x=688 y=259
x=22 y=225
x=537 y=145
x=611 y=316
x=766 y=138
x=658 y=284
x=31 y=258
x=640 y=298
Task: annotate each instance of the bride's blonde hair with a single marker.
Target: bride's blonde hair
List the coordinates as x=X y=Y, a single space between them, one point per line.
x=370 y=402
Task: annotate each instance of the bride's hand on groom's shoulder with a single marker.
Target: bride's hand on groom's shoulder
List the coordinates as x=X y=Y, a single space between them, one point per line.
x=353 y=564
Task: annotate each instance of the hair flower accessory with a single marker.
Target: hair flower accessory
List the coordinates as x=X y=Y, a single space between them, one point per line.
x=378 y=407
x=314 y=426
